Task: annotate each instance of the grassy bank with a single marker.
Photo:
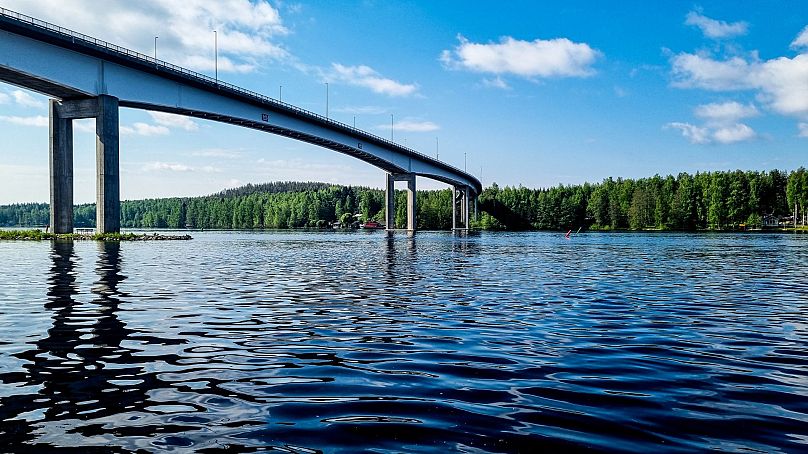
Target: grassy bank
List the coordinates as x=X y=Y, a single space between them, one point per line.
x=38 y=235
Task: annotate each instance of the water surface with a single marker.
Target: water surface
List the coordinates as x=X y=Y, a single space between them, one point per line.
x=363 y=342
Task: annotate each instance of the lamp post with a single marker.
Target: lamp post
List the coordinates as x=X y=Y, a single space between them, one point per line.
x=155 y=48
x=464 y=161
x=216 y=56
x=391 y=127
x=437 y=150
x=326 y=100
x=280 y=93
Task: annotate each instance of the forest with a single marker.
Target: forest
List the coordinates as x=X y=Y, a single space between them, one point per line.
x=704 y=201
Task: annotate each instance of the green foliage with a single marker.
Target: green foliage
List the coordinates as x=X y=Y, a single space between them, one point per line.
x=712 y=200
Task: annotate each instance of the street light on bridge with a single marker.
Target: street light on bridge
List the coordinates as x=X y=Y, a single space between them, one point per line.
x=216 y=56
x=155 y=48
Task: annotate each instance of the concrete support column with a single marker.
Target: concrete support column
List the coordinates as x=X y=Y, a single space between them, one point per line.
x=390 y=202
x=61 y=171
x=454 y=207
x=411 y=221
x=460 y=208
x=108 y=194
x=466 y=208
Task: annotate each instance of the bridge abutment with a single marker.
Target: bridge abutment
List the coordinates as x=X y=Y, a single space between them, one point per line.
x=390 y=200
x=108 y=201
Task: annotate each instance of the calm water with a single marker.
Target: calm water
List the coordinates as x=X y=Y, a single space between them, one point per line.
x=360 y=342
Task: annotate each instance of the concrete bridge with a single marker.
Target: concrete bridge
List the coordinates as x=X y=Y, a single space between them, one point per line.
x=90 y=78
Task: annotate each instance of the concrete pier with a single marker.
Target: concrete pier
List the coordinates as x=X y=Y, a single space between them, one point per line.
x=61 y=171
x=108 y=201
x=390 y=200
x=108 y=193
x=460 y=208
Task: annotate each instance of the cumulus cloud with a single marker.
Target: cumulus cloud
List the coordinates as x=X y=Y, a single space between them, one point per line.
x=738 y=132
x=540 y=58
x=39 y=121
x=801 y=41
x=411 y=126
x=247 y=30
x=803 y=129
x=722 y=134
x=716 y=29
x=174 y=121
x=693 y=133
x=367 y=77
x=726 y=112
x=144 y=129
x=781 y=83
x=722 y=124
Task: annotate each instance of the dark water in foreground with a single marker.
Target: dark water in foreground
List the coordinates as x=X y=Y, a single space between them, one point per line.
x=363 y=343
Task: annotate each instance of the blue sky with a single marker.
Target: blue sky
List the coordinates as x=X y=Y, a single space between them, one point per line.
x=533 y=93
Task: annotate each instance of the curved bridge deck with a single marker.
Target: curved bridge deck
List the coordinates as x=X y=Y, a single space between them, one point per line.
x=76 y=68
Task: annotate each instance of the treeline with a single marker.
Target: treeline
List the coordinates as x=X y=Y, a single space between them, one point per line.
x=279 y=205
x=710 y=200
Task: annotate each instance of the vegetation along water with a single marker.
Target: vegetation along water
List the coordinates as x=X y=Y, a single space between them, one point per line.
x=710 y=200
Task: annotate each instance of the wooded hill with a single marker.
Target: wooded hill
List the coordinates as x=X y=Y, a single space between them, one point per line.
x=710 y=200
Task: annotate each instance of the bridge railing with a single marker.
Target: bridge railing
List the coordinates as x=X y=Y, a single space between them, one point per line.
x=215 y=82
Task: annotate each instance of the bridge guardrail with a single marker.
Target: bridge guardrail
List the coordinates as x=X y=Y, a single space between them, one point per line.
x=209 y=80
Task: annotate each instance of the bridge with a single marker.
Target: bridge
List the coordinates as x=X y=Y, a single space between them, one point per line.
x=89 y=78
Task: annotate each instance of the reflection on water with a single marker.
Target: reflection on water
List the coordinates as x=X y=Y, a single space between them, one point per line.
x=436 y=342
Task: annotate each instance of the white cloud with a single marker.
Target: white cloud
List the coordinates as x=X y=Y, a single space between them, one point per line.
x=4 y=98
x=781 y=83
x=361 y=110
x=803 y=129
x=558 y=57
x=84 y=125
x=169 y=166
x=496 y=82
x=409 y=125
x=24 y=99
x=159 y=166
x=144 y=129
x=716 y=29
x=367 y=77
x=174 y=121
x=39 y=121
x=738 y=132
x=246 y=29
x=693 y=133
x=727 y=134
x=726 y=112
x=218 y=153
x=801 y=40
x=697 y=71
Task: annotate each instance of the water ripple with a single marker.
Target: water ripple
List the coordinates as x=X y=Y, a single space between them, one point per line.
x=335 y=342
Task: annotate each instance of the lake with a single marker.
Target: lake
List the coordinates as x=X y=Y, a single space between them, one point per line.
x=363 y=342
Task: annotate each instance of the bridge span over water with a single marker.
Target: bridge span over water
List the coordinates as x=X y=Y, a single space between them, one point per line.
x=90 y=78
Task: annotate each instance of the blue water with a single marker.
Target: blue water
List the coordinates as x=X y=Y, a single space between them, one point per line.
x=363 y=342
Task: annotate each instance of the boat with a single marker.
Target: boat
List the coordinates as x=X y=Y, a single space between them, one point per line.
x=372 y=225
